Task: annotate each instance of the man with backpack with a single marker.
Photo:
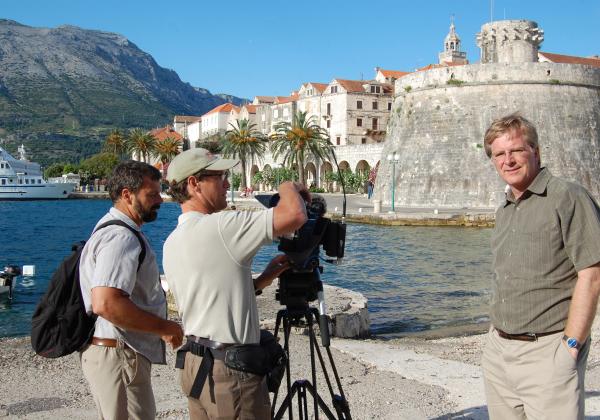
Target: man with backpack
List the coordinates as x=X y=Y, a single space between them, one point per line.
x=126 y=295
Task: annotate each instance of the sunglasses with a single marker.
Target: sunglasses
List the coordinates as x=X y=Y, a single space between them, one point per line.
x=223 y=175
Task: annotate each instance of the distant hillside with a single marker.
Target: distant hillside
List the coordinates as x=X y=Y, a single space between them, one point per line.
x=76 y=82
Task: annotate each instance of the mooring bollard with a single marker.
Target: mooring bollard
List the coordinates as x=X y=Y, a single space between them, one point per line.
x=376 y=206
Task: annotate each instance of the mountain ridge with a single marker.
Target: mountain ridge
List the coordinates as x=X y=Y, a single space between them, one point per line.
x=84 y=82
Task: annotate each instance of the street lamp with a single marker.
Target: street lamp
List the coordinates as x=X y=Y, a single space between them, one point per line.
x=393 y=159
x=231 y=183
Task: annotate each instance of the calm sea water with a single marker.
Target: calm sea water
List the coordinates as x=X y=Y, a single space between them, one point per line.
x=416 y=279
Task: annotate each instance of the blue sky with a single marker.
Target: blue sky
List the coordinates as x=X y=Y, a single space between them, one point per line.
x=270 y=47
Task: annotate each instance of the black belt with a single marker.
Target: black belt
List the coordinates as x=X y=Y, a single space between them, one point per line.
x=524 y=336
x=209 y=351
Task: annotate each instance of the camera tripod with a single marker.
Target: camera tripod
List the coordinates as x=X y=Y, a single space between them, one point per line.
x=292 y=317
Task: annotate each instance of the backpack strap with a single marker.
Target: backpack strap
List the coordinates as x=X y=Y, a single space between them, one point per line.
x=135 y=232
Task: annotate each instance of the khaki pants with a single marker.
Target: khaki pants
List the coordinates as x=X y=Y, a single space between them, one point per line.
x=120 y=382
x=533 y=379
x=226 y=394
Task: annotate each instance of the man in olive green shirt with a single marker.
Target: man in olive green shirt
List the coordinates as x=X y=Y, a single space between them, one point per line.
x=546 y=247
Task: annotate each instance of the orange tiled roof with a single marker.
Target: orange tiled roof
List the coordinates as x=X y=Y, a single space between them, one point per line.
x=437 y=66
x=352 y=85
x=186 y=119
x=319 y=86
x=167 y=131
x=221 y=108
x=570 y=59
x=266 y=99
x=286 y=99
x=393 y=73
x=250 y=108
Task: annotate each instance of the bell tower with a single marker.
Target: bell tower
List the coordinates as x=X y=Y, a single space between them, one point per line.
x=452 y=52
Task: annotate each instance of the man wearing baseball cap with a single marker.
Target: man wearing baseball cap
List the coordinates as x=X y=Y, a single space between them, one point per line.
x=207 y=261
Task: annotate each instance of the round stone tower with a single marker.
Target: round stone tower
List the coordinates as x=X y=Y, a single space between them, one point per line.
x=439 y=117
x=510 y=41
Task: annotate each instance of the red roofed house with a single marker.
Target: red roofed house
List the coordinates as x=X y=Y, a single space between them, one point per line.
x=248 y=112
x=217 y=119
x=283 y=109
x=568 y=59
x=356 y=111
x=388 y=76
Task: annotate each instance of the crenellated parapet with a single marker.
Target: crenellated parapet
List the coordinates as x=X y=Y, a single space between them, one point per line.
x=510 y=41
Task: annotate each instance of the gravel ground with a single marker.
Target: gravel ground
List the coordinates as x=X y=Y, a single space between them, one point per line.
x=36 y=388
x=32 y=387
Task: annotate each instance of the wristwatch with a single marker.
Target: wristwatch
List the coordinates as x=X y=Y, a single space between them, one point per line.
x=572 y=342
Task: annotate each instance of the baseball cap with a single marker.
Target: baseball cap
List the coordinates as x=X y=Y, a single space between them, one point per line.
x=191 y=161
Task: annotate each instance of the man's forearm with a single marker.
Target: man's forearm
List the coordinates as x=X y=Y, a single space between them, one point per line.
x=583 y=303
x=125 y=314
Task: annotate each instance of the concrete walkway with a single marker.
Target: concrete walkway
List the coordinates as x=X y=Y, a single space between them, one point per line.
x=463 y=381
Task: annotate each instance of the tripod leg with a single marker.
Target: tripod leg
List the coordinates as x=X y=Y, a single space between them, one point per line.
x=313 y=369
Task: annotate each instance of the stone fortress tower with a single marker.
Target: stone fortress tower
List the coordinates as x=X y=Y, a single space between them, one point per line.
x=439 y=117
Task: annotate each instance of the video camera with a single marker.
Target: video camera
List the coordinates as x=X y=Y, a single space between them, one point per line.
x=301 y=284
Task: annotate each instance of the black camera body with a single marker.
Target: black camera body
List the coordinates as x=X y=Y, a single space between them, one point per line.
x=301 y=283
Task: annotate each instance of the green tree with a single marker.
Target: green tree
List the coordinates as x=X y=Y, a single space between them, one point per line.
x=115 y=143
x=166 y=150
x=141 y=144
x=54 y=170
x=244 y=142
x=70 y=168
x=98 y=166
x=212 y=143
x=299 y=140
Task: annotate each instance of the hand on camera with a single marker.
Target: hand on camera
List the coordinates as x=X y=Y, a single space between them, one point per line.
x=277 y=266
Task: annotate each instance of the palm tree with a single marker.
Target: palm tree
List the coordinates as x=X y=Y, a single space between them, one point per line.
x=245 y=143
x=166 y=150
x=298 y=140
x=115 y=143
x=141 y=144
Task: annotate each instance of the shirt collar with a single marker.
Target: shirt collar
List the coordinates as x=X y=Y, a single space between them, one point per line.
x=538 y=186
x=122 y=216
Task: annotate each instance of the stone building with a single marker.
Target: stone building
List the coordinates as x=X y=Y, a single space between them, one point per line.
x=439 y=117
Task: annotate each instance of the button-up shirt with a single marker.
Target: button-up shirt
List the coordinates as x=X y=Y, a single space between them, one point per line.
x=110 y=259
x=539 y=243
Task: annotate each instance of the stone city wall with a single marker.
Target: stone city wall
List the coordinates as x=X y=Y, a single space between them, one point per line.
x=439 y=118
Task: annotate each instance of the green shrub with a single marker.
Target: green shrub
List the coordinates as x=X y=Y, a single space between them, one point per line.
x=455 y=82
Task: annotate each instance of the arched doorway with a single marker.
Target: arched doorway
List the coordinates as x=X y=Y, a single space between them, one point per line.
x=310 y=174
x=253 y=172
x=327 y=175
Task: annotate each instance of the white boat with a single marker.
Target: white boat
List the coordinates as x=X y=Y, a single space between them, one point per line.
x=23 y=180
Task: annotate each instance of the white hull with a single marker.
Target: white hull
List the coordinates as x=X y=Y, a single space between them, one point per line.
x=36 y=192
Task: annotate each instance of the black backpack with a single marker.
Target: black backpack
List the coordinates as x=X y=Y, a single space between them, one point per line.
x=60 y=324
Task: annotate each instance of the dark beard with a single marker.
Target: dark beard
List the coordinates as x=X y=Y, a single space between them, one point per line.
x=147 y=215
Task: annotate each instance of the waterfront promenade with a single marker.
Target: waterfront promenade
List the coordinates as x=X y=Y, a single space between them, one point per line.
x=360 y=209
